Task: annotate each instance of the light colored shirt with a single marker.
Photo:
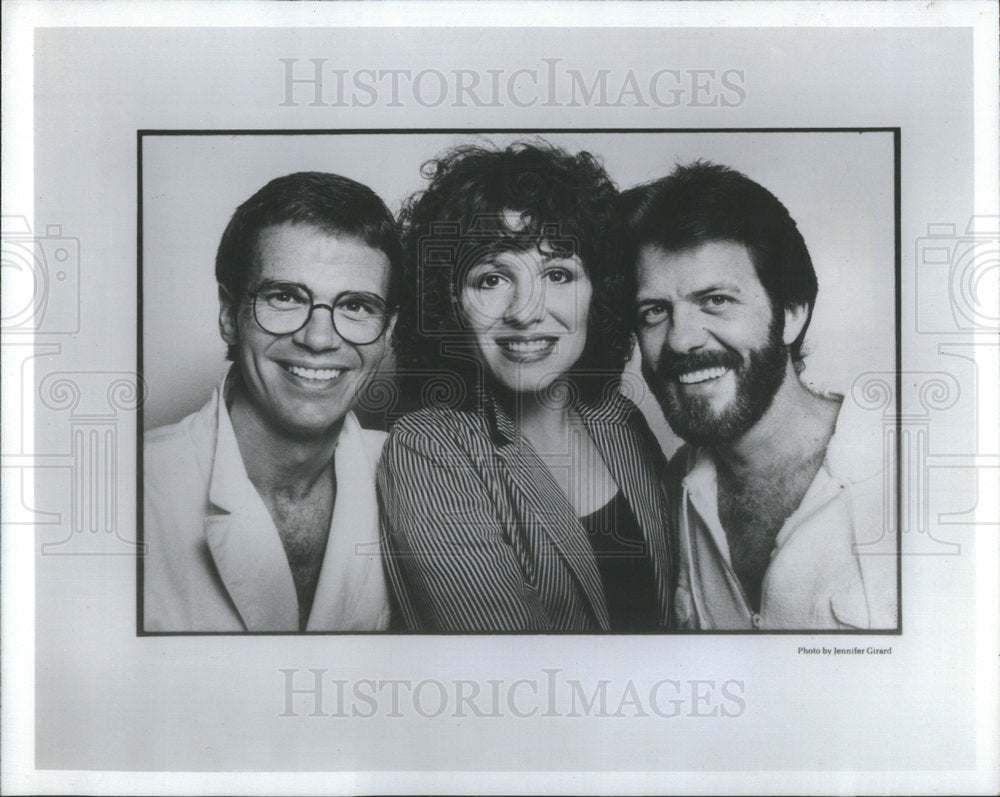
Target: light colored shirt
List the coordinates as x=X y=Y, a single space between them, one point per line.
x=214 y=560
x=834 y=562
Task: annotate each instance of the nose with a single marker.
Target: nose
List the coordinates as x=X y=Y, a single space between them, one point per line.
x=319 y=333
x=687 y=331
x=526 y=303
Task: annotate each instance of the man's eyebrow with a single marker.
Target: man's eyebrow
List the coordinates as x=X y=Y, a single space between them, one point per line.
x=729 y=287
x=284 y=283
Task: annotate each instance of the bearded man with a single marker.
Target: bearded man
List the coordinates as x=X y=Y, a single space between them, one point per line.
x=778 y=493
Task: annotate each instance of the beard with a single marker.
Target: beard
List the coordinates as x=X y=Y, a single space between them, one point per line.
x=757 y=381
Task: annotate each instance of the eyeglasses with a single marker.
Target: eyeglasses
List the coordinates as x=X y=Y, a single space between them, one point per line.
x=282 y=308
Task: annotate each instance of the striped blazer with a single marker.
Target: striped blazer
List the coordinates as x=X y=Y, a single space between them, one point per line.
x=478 y=536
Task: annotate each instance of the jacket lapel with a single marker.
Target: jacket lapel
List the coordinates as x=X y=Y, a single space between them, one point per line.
x=244 y=543
x=634 y=474
x=255 y=571
x=351 y=593
x=550 y=512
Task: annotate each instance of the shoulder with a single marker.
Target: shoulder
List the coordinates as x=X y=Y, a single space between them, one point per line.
x=436 y=440
x=185 y=437
x=183 y=449
x=620 y=411
x=635 y=419
x=371 y=441
x=439 y=427
x=855 y=449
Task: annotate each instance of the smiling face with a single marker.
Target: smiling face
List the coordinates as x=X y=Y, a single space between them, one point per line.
x=303 y=383
x=528 y=314
x=713 y=351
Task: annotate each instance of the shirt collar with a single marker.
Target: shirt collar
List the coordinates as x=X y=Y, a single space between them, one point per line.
x=853 y=453
x=701 y=473
x=856 y=450
x=229 y=485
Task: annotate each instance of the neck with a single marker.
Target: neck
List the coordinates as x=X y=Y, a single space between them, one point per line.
x=277 y=461
x=536 y=419
x=796 y=427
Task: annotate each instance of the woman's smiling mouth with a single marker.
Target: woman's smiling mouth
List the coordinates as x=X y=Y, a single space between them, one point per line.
x=527 y=349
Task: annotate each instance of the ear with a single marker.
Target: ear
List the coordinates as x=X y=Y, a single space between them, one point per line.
x=389 y=329
x=796 y=316
x=228 y=310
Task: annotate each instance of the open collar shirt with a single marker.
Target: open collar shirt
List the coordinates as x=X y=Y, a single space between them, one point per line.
x=834 y=563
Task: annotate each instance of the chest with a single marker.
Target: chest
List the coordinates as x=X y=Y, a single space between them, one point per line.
x=303 y=524
x=753 y=510
x=575 y=464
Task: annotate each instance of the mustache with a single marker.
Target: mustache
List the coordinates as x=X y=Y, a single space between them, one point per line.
x=673 y=365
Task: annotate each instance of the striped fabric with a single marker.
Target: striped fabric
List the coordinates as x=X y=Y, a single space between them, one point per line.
x=478 y=536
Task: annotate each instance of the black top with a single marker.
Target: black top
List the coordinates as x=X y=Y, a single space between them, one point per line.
x=625 y=565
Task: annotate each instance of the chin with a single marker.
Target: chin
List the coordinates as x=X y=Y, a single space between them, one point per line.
x=310 y=426
x=532 y=384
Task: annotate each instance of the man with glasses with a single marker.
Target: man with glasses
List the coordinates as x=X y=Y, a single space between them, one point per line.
x=260 y=508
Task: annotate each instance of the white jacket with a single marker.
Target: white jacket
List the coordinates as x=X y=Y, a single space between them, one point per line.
x=214 y=560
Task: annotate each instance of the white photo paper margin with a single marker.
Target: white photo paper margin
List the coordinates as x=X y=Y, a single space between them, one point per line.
x=666 y=761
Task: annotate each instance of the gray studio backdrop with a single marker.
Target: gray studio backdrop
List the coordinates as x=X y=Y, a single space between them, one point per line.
x=838 y=186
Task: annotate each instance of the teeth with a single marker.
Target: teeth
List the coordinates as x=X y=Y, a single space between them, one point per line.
x=321 y=375
x=701 y=376
x=526 y=346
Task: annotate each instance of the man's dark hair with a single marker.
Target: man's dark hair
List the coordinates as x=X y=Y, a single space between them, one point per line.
x=332 y=204
x=703 y=202
x=555 y=201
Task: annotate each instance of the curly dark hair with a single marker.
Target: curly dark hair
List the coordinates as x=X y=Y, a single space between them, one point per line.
x=566 y=203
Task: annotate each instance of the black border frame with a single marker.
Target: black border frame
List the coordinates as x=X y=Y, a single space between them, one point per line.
x=140 y=547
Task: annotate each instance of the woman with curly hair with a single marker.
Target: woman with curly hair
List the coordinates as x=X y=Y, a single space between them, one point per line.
x=523 y=493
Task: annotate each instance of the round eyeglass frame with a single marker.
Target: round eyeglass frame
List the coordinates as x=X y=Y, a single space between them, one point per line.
x=253 y=295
